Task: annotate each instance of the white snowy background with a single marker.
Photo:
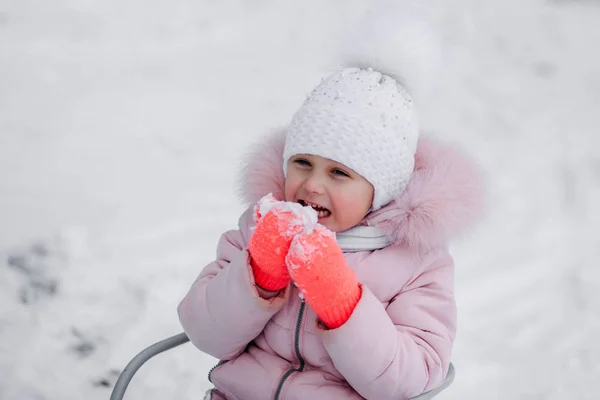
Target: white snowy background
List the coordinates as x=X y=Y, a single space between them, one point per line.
x=121 y=126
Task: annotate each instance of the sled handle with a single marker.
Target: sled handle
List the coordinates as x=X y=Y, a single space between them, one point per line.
x=435 y=391
x=137 y=361
x=177 y=340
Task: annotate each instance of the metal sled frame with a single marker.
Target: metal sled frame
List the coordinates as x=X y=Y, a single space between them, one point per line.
x=177 y=340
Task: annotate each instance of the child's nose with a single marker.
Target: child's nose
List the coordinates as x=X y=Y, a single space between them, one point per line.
x=314 y=184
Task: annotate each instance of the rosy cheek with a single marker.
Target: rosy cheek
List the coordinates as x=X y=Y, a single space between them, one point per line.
x=290 y=188
x=353 y=210
x=287 y=192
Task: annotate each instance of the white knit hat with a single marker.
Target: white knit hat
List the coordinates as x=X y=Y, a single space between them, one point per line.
x=362 y=116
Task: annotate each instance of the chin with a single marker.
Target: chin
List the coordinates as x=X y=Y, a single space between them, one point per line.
x=327 y=223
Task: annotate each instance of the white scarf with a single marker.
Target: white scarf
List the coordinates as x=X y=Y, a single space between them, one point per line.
x=362 y=238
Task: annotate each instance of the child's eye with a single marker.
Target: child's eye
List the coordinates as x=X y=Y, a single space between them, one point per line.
x=303 y=162
x=340 y=172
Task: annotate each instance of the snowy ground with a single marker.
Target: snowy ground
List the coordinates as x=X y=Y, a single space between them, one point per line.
x=121 y=123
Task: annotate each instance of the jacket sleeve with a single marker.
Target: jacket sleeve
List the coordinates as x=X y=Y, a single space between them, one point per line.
x=223 y=311
x=402 y=350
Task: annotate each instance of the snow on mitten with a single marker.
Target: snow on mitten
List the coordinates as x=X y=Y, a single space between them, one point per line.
x=276 y=224
x=317 y=265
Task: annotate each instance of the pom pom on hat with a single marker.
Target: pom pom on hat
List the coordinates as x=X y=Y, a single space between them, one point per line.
x=398 y=40
x=364 y=116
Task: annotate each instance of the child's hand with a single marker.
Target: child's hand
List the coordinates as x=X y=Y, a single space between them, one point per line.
x=276 y=224
x=318 y=267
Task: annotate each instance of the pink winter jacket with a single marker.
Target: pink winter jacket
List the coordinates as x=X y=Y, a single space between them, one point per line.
x=397 y=342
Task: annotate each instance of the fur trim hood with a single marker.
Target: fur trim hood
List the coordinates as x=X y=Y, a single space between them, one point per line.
x=443 y=199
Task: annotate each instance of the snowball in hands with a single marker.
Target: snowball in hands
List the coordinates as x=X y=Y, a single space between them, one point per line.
x=276 y=224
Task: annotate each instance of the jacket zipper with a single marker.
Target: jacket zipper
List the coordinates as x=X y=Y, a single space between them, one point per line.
x=297 y=350
x=215 y=367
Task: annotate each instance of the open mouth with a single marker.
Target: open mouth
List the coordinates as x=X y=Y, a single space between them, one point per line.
x=322 y=212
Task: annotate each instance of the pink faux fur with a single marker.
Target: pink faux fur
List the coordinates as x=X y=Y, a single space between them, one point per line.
x=443 y=198
x=262 y=169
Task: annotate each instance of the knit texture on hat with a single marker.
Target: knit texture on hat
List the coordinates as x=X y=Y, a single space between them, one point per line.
x=364 y=120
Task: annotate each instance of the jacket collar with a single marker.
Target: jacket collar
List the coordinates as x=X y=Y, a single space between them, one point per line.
x=443 y=198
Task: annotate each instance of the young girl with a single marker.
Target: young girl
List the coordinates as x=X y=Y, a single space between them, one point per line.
x=338 y=283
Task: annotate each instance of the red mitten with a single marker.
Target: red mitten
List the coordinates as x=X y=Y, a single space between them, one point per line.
x=317 y=265
x=277 y=223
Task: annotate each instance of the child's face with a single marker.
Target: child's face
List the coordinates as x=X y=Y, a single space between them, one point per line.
x=341 y=197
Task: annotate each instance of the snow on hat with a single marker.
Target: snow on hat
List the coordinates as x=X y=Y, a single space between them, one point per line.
x=364 y=116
